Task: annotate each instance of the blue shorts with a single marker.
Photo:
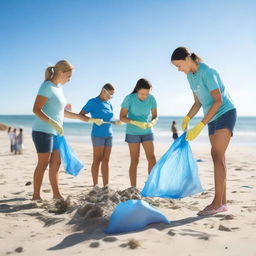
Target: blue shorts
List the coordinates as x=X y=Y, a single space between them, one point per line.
x=101 y=141
x=44 y=142
x=129 y=138
x=227 y=120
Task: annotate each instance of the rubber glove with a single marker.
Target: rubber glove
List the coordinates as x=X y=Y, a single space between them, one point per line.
x=194 y=132
x=141 y=125
x=56 y=126
x=96 y=121
x=185 y=122
x=151 y=123
x=118 y=122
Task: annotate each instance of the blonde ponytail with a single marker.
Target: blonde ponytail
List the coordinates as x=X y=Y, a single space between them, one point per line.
x=62 y=65
x=49 y=72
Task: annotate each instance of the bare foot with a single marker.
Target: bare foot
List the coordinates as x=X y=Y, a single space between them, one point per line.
x=35 y=198
x=58 y=197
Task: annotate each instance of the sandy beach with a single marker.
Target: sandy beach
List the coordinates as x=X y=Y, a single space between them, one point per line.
x=33 y=228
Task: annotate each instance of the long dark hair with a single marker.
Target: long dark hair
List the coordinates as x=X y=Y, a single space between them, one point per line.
x=142 y=84
x=181 y=53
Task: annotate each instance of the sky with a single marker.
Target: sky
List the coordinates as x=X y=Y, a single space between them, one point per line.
x=121 y=41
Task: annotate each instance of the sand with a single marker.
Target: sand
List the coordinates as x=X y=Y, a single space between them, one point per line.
x=76 y=226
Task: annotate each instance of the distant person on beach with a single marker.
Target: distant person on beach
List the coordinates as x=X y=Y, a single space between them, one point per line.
x=49 y=108
x=101 y=112
x=12 y=139
x=219 y=113
x=139 y=112
x=19 y=142
x=174 y=130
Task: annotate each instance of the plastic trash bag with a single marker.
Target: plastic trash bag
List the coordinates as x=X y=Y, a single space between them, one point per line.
x=71 y=163
x=175 y=174
x=134 y=215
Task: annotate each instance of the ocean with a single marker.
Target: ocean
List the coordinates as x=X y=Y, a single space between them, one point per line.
x=244 y=133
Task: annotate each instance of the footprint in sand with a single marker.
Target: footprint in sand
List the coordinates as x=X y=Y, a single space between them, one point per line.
x=171 y=232
x=250 y=208
x=110 y=239
x=224 y=228
x=94 y=245
x=194 y=233
x=46 y=190
x=18 y=193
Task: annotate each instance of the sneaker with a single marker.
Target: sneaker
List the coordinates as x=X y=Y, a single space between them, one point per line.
x=210 y=210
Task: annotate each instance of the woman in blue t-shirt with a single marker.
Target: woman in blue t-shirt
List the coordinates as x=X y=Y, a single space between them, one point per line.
x=139 y=112
x=49 y=108
x=101 y=112
x=219 y=113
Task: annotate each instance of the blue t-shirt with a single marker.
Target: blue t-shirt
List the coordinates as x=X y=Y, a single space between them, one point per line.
x=102 y=110
x=205 y=80
x=54 y=107
x=138 y=110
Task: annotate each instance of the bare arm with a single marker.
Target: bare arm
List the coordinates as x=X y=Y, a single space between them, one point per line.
x=154 y=114
x=215 y=106
x=123 y=116
x=38 y=105
x=195 y=108
x=83 y=116
x=71 y=115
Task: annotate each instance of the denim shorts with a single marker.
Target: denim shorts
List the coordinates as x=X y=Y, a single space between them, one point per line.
x=227 y=120
x=101 y=141
x=44 y=142
x=129 y=138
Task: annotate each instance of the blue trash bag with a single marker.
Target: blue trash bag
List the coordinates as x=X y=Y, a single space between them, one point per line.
x=71 y=163
x=134 y=215
x=175 y=174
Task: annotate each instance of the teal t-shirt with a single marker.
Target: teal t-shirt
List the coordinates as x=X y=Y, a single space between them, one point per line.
x=54 y=107
x=138 y=110
x=205 y=80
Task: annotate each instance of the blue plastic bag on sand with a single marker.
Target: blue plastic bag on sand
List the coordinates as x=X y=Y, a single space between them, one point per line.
x=134 y=215
x=175 y=174
x=71 y=163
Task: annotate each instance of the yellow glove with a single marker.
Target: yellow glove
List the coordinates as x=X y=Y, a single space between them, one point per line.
x=118 y=122
x=151 y=123
x=185 y=122
x=141 y=125
x=95 y=121
x=193 y=133
x=56 y=126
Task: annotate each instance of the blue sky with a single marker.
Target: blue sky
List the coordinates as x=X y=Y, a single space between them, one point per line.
x=120 y=41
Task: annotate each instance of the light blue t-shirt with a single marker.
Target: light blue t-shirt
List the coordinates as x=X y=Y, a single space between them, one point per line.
x=138 y=110
x=205 y=80
x=102 y=110
x=54 y=107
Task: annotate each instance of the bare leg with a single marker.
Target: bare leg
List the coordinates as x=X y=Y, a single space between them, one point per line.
x=105 y=166
x=97 y=158
x=134 y=154
x=55 y=162
x=43 y=161
x=149 y=151
x=219 y=141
